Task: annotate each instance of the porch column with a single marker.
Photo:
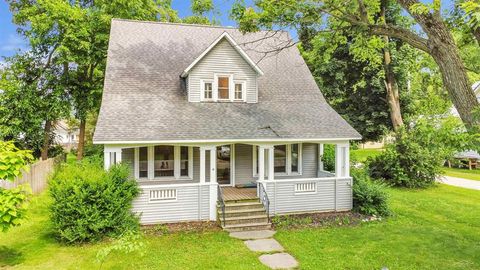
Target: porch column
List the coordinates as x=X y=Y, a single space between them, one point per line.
x=213 y=183
x=202 y=164
x=320 y=157
x=271 y=169
x=261 y=163
x=342 y=160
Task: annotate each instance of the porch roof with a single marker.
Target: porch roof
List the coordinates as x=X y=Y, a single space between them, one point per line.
x=144 y=98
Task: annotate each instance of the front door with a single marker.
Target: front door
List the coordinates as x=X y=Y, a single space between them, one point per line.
x=224 y=164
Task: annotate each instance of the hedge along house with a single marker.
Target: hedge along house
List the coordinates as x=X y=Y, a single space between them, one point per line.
x=217 y=124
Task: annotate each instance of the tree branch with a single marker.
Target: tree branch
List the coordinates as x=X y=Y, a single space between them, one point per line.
x=363 y=11
x=402 y=34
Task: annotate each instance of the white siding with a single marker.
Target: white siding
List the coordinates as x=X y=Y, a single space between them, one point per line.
x=326 y=198
x=192 y=203
x=223 y=58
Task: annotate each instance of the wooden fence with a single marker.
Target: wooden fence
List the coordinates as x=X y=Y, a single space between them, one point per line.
x=36 y=176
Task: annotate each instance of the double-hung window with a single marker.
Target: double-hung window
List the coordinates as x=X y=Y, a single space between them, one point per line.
x=163 y=162
x=287 y=159
x=223 y=87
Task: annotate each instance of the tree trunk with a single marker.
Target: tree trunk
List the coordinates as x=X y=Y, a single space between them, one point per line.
x=476 y=34
x=46 y=140
x=81 y=140
x=442 y=47
x=393 y=97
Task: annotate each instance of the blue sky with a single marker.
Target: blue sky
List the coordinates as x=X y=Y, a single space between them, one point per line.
x=10 y=41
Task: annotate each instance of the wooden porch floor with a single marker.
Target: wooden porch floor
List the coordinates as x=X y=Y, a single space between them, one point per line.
x=236 y=194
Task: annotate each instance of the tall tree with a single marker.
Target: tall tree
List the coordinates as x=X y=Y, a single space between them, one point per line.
x=436 y=39
x=76 y=33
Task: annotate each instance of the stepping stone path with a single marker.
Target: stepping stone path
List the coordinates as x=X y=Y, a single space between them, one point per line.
x=262 y=241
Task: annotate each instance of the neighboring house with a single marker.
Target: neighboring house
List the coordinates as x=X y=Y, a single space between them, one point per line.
x=193 y=109
x=470 y=158
x=64 y=135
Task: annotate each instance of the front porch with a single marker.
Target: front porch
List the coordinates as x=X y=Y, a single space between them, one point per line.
x=179 y=181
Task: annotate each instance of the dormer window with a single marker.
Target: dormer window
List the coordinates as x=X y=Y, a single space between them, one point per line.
x=207 y=90
x=223 y=87
x=239 y=91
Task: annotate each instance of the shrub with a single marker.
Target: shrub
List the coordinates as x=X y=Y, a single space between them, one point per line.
x=415 y=158
x=369 y=197
x=328 y=157
x=90 y=203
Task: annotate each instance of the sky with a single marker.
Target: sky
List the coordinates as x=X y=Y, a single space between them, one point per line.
x=11 y=41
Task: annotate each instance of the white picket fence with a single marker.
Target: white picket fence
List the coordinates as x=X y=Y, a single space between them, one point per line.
x=36 y=176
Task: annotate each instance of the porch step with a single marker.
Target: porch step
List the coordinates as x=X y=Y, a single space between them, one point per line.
x=248 y=227
x=246 y=219
x=244 y=212
x=243 y=205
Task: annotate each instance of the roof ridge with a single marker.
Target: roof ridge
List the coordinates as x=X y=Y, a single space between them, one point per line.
x=173 y=23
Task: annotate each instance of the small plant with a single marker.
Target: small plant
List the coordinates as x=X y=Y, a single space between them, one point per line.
x=128 y=242
x=369 y=197
x=90 y=203
x=160 y=229
x=12 y=201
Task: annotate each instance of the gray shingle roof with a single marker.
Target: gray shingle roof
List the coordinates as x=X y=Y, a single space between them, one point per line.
x=144 y=99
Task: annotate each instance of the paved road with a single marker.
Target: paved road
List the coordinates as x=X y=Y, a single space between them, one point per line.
x=459 y=182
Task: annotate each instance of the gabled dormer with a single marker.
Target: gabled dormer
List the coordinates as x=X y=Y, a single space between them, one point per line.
x=222 y=73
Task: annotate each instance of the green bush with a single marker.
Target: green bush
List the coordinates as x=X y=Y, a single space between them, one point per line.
x=90 y=203
x=369 y=197
x=328 y=157
x=416 y=156
x=406 y=163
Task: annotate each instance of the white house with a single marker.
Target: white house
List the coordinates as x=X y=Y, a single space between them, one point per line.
x=214 y=127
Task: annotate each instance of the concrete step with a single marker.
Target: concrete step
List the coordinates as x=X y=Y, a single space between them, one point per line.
x=248 y=227
x=246 y=220
x=243 y=212
x=243 y=206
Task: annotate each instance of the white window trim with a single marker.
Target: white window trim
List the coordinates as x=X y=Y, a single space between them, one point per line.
x=177 y=162
x=202 y=92
x=231 y=87
x=289 y=161
x=244 y=90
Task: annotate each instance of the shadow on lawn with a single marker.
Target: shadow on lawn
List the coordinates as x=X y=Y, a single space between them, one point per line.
x=10 y=257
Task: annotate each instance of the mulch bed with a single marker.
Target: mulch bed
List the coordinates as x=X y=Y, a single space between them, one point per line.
x=168 y=228
x=312 y=220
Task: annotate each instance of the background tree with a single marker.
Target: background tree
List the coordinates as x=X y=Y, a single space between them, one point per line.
x=436 y=39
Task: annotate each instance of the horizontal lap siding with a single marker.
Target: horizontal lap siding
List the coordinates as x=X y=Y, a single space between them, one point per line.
x=284 y=200
x=192 y=204
x=223 y=58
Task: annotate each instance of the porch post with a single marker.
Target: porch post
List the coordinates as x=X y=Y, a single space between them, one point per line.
x=118 y=155
x=213 y=183
x=261 y=163
x=111 y=155
x=106 y=158
x=320 y=157
x=271 y=169
x=202 y=164
x=342 y=160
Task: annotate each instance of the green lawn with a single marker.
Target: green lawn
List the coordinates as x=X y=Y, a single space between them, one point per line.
x=463 y=173
x=438 y=228
x=361 y=155
x=32 y=246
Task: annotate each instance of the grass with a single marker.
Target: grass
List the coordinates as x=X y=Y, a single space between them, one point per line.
x=361 y=155
x=462 y=173
x=33 y=246
x=437 y=228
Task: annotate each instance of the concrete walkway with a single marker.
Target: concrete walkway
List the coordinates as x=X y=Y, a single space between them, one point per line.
x=459 y=182
x=262 y=241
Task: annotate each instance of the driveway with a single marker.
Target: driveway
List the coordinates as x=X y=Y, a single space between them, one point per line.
x=459 y=182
